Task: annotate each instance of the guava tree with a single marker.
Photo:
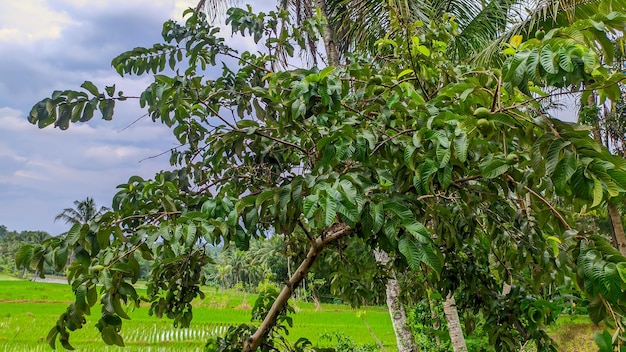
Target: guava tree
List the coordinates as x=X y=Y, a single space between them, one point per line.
x=451 y=170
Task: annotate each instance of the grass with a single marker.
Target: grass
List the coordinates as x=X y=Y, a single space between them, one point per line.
x=574 y=333
x=29 y=309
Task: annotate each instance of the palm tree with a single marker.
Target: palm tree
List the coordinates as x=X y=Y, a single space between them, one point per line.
x=84 y=212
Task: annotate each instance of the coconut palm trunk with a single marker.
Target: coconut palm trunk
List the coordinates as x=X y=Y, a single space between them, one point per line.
x=615 y=217
x=617 y=227
x=454 y=324
x=404 y=335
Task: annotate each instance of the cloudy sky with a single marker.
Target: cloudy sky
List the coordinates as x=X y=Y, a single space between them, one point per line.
x=48 y=45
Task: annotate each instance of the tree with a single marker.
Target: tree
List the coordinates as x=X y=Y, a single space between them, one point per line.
x=483 y=28
x=84 y=212
x=11 y=241
x=400 y=150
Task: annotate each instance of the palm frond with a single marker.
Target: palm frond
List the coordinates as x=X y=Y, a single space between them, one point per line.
x=215 y=9
x=545 y=14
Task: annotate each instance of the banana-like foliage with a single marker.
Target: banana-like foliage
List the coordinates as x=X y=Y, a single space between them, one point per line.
x=451 y=169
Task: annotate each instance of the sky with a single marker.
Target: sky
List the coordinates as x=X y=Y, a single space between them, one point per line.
x=48 y=45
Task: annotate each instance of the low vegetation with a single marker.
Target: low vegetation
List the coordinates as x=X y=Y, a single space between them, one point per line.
x=29 y=307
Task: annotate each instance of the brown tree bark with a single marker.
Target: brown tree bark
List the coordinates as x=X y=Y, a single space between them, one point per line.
x=454 y=324
x=331 y=234
x=404 y=335
x=615 y=217
x=330 y=43
x=618 y=228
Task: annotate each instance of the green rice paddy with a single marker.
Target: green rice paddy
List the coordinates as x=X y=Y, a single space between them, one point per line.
x=29 y=309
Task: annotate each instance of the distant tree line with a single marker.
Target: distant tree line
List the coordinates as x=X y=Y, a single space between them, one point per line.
x=10 y=242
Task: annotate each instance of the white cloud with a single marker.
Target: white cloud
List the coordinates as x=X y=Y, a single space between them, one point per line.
x=27 y=21
x=116 y=154
x=10 y=121
x=28 y=175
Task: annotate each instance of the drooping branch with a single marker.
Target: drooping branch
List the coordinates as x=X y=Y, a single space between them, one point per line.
x=331 y=234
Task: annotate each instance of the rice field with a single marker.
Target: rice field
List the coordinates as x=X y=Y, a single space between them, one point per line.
x=29 y=309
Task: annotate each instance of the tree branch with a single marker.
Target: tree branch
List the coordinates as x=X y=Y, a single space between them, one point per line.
x=544 y=201
x=331 y=234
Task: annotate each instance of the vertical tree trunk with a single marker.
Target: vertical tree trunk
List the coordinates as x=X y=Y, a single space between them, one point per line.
x=615 y=218
x=404 y=336
x=330 y=43
x=454 y=324
x=616 y=225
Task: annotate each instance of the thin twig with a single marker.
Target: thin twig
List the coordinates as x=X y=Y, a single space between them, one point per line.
x=544 y=201
x=162 y=153
x=388 y=139
x=132 y=123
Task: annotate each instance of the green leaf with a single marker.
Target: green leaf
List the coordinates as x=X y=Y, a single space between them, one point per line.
x=564 y=171
x=117 y=307
x=52 y=337
x=90 y=87
x=581 y=186
x=60 y=258
x=553 y=155
x=74 y=234
x=63 y=120
x=376 y=211
x=411 y=252
x=23 y=256
x=110 y=90
x=90 y=107
x=416 y=253
x=77 y=110
x=597 y=310
x=546 y=57
x=408 y=71
x=604 y=341
x=565 y=61
x=66 y=344
x=461 y=145
x=107 y=107
x=493 y=168
x=264 y=196
x=597 y=192
x=310 y=205
x=330 y=211
x=419 y=231
x=92 y=295
x=621 y=270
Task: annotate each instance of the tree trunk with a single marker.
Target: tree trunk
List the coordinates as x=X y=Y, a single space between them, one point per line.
x=618 y=229
x=404 y=336
x=454 y=324
x=331 y=234
x=330 y=43
x=435 y=317
x=615 y=218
